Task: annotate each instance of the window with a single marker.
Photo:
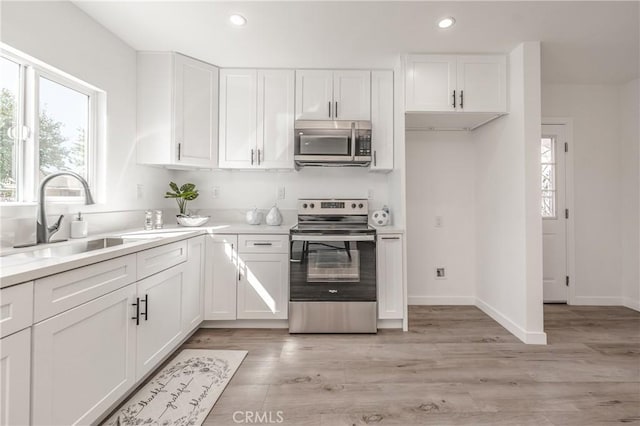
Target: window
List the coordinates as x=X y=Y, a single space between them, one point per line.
x=48 y=123
x=548 y=176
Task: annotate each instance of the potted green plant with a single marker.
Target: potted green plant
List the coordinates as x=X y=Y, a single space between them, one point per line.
x=183 y=194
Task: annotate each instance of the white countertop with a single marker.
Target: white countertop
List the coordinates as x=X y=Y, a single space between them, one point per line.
x=16 y=270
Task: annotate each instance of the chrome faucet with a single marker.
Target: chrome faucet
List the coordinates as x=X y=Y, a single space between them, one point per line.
x=44 y=232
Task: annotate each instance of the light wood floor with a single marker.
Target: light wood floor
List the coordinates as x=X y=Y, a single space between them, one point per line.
x=454 y=366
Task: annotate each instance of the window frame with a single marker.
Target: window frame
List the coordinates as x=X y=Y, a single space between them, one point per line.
x=28 y=118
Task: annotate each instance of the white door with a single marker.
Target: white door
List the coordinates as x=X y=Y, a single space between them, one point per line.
x=352 y=95
x=160 y=317
x=382 y=120
x=554 y=222
x=221 y=277
x=263 y=286
x=238 y=120
x=275 y=118
x=314 y=95
x=482 y=83
x=84 y=360
x=15 y=378
x=431 y=82
x=389 y=265
x=196 y=112
x=193 y=288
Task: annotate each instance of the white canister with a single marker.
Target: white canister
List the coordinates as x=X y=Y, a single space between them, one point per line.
x=79 y=227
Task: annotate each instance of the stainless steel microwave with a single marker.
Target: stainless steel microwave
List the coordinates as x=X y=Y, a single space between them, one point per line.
x=332 y=143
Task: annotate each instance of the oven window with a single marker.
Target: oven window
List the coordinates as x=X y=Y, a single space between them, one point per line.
x=324 y=145
x=335 y=264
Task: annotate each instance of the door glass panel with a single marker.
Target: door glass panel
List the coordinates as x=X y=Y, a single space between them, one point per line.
x=324 y=145
x=9 y=97
x=339 y=262
x=548 y=177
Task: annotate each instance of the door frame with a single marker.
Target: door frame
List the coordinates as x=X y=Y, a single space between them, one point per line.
x=569 y=201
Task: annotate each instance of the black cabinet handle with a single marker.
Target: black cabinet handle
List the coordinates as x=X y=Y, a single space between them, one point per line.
x=146 y=307
x=462 y=99
x=137 y=305
x=390 y=238
x=262 y=244
x=454 y=99
x=336 y=109
x=329 y=109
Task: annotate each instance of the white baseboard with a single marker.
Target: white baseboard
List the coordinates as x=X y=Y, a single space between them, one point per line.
x=441 y=300
x=528 y=337
x=245 y=324
x=390 y=323
x=597 y=301
x=631 y=304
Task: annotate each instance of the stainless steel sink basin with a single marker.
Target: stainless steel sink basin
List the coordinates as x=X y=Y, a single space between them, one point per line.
x=64 y=250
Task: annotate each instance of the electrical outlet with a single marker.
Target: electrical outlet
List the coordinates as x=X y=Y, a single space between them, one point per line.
x=438 y=221
x=215 y=192
x=441 y=273
x=140 y=191
x=280 y=193
x=370 y=194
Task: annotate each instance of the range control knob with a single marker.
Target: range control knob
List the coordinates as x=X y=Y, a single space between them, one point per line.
x=360 y=205
x=312 y=205
x=304 y=206
x=353 y=206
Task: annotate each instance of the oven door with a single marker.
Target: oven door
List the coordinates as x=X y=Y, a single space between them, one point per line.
x=332 y=268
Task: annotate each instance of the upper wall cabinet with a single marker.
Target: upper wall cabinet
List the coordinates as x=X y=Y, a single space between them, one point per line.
x=256 y=119
x=382 y=120
x=333 y=95
x=474 y=86
x=177 y=111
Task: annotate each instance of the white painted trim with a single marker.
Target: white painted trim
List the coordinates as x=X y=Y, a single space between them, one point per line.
x=598 y=301
x=442 y=300
x=631 y=304
x=245 y=324
x=390 y=323
x=530 y=338
x=569 y=204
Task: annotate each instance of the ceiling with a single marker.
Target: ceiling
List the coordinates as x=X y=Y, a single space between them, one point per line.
x=582 y=42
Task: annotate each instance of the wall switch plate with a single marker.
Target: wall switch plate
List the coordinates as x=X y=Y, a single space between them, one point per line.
x=438 y=221
x=370 y=194
x=140 y=191
x=280 y=193
x=215 y=192
x=441 y=273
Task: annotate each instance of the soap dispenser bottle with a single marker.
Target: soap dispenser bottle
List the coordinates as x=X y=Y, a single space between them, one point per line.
x=79 y=227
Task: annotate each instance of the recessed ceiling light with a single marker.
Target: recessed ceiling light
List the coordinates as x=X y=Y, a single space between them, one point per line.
x=238 y=20
x=446 y=22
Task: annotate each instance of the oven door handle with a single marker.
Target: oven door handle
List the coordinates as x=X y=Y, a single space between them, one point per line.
x=336 y=238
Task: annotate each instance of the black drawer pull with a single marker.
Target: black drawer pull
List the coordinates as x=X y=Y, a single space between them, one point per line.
x=390 y=238
x=262 y=244
x=146 y=307
x=137 y=305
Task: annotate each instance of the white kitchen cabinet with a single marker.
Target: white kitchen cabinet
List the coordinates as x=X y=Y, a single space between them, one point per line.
x=333 y=95
x=256 y=119
x=159 y=314
x=193 y=288
x=15 y=378
x=159 y=258
x=390 y=279
x=16 y=308
x=84 y=360
x=221 y=276
x=263 y=286
x=459 y=91
x=382 y=120
x=177 y=111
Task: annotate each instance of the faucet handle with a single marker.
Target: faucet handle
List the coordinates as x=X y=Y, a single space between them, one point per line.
x=56 y=226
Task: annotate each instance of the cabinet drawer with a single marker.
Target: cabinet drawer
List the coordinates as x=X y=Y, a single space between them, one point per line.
x=16 y=308
x=263 y=244
x=160 y=258
x=60 y=292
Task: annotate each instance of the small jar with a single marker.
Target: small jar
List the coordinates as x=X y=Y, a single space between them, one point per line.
x=148 y=220
x=158 y=222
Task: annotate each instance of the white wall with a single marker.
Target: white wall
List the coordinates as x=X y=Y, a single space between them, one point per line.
x=595 y=110
x=508 y=225
x=440 y=182
x=63 y=36
x=630 y=192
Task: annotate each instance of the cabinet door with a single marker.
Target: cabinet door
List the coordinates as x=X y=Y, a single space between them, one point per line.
x=15 y=378
x=482 y=83
x=221 y=275
x=382 y=120
x=193 y=290
x=430 y=82
x=84 y=360
x=352 y=95
x=314 y=95
x=390 y=283
x=196 y=112
x=263 y=286
x=160 y=328
x=275 y=119
x=238 y=102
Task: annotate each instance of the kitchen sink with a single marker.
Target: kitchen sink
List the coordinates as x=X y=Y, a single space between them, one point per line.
x=62 y=250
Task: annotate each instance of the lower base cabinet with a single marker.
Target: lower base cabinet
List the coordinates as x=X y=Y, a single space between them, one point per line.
x=193 y=288
x=390 y=278
x=263 y=286
x=15 y=378
x=84 y=360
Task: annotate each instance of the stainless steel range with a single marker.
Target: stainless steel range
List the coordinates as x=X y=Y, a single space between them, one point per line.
x=332 y=269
